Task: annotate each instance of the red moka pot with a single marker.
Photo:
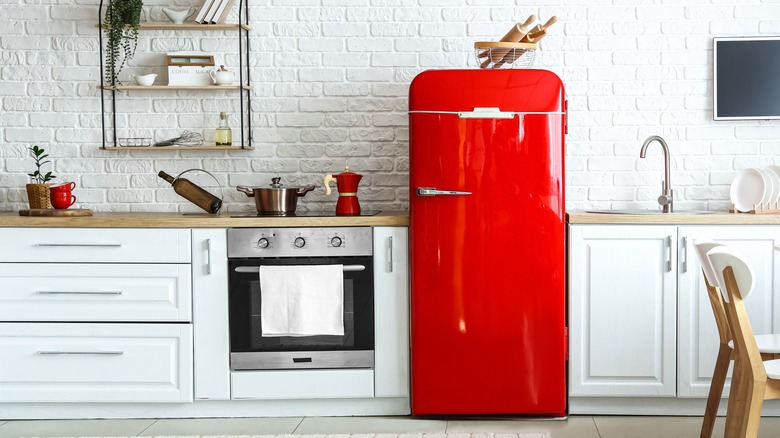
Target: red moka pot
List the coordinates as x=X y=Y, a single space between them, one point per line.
x=347 y=184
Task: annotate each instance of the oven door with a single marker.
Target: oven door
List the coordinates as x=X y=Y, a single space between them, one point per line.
x=249 y=350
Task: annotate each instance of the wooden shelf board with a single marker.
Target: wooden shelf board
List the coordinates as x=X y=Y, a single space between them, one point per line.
x=191 y=26
x=179 y=148
x=174 y=87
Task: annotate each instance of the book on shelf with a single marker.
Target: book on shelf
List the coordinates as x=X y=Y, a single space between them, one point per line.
x=209 y=18
x=223 y=11
x=203 y=10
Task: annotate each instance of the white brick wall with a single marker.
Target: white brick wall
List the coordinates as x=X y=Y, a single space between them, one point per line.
x=331 y=80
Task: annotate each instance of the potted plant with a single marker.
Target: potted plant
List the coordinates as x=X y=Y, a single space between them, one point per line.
x=38 y=190
x=122 y=19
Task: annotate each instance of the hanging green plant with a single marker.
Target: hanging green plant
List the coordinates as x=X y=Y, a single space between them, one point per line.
x=122 y=20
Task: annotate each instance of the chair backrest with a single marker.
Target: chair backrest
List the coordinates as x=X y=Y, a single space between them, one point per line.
x=703 y=246
x=735 y=281
x=722 y=257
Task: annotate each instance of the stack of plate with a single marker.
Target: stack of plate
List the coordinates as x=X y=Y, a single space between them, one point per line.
x=756 y=189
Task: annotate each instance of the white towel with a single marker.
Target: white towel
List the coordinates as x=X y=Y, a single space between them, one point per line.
x=302 y=300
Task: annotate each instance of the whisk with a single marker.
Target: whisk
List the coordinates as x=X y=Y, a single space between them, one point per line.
x=187 y=138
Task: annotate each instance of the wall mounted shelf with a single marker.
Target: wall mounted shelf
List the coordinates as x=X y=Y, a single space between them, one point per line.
x=110 y=93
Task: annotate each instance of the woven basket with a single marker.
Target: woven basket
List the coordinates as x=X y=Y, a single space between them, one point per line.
x=38 y=195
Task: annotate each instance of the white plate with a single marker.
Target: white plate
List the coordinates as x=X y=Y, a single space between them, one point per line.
x=769 y=188
x=747 y=190
x=774 y=176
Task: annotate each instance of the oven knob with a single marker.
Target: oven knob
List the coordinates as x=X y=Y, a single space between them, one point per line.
x=299 y=242
x=335 y=241
x=262 y=243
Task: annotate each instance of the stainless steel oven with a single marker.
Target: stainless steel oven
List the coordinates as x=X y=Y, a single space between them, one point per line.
x=250 y=248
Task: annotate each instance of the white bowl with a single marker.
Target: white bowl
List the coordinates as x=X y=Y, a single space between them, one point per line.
x=747 y=190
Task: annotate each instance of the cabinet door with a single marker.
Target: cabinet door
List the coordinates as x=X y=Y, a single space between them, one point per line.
x=698 y=335
x=391 y=301
x=210 y=314
x=622 y=282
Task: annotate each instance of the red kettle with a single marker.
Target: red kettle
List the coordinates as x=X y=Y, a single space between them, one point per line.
x=347 y=184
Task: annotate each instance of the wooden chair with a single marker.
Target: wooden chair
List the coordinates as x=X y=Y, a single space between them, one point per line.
x=768 y=345
x=755 y=380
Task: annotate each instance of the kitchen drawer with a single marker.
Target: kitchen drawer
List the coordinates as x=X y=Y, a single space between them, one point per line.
x=64 y=362
x=95 y=292
x=107 y=245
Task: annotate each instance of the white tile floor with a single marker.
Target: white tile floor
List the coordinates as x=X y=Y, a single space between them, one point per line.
x=574 y=427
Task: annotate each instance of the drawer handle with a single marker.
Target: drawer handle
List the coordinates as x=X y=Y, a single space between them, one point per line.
x=78 y=292
x=102 y=353
x=98 y=245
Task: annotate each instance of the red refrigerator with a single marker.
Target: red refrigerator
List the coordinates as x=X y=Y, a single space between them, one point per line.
x=487 y=228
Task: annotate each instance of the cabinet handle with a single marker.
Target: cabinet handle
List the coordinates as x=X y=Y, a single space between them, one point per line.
x=669 y=249
x=102 y=353
x=684 y=263
x=390 y=254
x=77 y=292
x=97 y=245
x=208 y=256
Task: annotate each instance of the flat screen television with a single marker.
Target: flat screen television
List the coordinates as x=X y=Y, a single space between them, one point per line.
x=746 y=78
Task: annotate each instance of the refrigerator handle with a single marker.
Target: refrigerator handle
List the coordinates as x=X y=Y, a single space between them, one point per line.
x=432 y=191
x=486 y=113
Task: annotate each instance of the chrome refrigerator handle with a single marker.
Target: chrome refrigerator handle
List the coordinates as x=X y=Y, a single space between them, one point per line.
x=432 y=191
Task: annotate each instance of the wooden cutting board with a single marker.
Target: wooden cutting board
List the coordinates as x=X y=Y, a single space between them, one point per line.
x=53 y=212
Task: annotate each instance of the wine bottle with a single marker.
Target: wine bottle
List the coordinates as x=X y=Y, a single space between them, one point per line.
x=193 y=193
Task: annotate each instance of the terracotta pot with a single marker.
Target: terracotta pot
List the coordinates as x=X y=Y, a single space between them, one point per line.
x=38 y=195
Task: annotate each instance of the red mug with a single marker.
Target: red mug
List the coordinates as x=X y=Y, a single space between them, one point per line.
x=63 y=188
x=61 y=201
x=61 y=196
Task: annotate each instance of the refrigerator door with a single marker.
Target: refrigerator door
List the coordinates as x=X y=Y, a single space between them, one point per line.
x=487 y=243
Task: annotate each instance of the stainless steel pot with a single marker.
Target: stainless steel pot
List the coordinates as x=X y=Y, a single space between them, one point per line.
x=275 y=200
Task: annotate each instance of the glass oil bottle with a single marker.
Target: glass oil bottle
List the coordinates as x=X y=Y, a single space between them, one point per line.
x=224 y=133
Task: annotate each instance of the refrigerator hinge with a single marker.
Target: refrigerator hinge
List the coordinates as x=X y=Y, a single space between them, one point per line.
x=566 y=343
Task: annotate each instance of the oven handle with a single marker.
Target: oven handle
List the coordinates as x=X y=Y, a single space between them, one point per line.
x=256 y=269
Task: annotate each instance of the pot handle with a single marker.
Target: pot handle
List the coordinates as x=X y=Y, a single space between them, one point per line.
x=304 y=190
x=328 y=179
x=247 y=191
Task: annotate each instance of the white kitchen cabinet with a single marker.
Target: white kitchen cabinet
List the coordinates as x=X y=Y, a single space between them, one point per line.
x=622 y=310
x=210 y=314
x=640 y=327
x=95 y=315
x=391 y=301
x=697 y=333
x=71 y=362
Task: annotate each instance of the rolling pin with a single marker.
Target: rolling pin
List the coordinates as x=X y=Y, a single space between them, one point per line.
x=515 y=34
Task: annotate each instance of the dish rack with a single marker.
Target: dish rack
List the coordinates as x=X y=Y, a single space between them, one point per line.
x=497 y=54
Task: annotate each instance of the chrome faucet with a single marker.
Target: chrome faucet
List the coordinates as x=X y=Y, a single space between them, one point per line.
x=666 y=200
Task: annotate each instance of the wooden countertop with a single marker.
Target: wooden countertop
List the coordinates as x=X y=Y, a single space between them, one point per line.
x=718 y=218
x=179 y=220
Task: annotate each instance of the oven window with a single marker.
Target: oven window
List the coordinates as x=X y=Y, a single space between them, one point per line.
x=245 y=306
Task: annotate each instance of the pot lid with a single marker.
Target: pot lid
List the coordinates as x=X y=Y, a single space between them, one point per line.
x=275 y=184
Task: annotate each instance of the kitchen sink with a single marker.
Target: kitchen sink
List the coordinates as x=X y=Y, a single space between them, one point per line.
x=647 y=211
